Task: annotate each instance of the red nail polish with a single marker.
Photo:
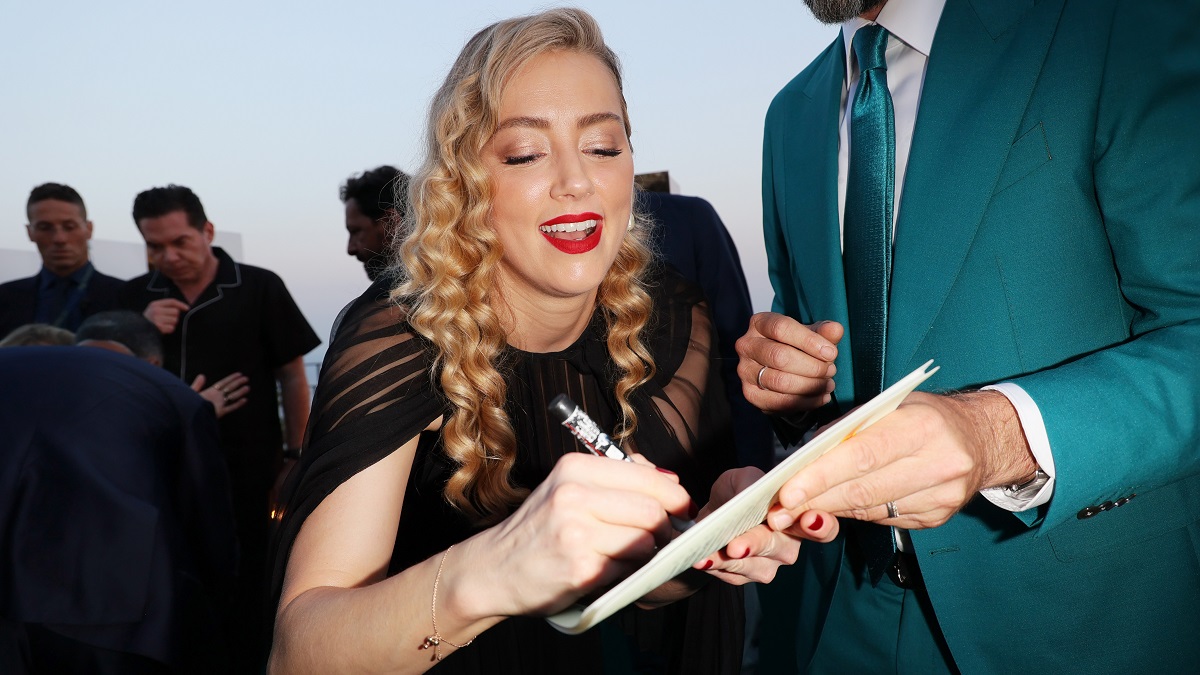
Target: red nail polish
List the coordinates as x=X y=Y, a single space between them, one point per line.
x=745 y=554
x=668 y=471
x=707 y=565
x=816 y=524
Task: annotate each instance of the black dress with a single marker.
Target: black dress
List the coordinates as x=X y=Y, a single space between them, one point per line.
x=375 y=394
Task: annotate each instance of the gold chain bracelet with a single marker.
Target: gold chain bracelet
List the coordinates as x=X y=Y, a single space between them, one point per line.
x=435 y=640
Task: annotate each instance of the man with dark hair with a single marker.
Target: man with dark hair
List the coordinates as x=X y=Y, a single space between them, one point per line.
x=376 y=202
x=128 y=329
x=219 y=317
x=68 y=288
x=119 y=548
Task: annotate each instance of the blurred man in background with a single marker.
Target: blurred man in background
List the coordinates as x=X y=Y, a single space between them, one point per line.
x=376 y=202
x=219 y=317
x=68 y=288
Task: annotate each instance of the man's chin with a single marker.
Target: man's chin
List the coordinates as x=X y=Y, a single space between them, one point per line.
x=833 y=12
x=375 y=266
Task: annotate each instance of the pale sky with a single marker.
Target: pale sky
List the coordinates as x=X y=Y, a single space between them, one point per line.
x=265 y=108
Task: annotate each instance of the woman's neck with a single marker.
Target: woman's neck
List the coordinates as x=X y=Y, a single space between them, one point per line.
x=543 y=325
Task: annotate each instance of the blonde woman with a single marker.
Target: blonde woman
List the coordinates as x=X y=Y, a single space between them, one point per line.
x=438 y=509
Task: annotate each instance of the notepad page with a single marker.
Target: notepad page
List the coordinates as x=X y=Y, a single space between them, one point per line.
x=735 y=517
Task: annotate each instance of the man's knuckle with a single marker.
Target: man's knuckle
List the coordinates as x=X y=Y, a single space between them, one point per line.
x=860 y=514
x=774 y=352
x=743 y=345
x=859 y=497
x=864 y=457
x=813 y=343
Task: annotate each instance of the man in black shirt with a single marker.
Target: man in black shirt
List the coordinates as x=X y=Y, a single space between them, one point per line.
x=68 y=288
x=219 y=317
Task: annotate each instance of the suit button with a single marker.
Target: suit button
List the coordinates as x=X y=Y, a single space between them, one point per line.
x=1088 y=512
x=1106 y=506
x=1122 y=501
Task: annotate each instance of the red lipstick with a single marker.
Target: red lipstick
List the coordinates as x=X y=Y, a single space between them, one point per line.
x=573 y=246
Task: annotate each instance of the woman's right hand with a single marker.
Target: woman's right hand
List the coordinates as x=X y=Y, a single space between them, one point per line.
x=591 y=522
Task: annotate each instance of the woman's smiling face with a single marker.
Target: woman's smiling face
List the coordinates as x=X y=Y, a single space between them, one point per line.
x=562 y=177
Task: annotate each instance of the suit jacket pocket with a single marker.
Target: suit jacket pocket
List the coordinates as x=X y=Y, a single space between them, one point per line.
x=1146 y=516
x=1028 y=152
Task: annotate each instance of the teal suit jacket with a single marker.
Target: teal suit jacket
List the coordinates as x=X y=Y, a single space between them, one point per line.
x=1049 y=235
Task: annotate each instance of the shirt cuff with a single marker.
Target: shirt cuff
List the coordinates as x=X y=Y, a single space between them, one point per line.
x=1039 y=444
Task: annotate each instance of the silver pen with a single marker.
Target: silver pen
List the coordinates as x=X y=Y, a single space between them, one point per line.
x=597 y=442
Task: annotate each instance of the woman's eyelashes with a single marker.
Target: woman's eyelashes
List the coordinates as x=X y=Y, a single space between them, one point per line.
x=517 y=160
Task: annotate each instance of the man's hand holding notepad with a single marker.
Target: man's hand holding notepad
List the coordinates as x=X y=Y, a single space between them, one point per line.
x=735 y=517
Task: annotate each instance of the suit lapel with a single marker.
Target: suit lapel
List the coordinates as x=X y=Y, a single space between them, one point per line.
x=811 y=203
x=981 y=74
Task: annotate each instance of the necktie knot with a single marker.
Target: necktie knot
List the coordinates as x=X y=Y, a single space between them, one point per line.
x=870 y=44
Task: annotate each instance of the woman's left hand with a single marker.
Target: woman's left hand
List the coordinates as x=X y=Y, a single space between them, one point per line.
x=757 y=554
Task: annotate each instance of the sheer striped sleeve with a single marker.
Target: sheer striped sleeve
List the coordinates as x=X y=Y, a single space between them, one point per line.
x=373 y=395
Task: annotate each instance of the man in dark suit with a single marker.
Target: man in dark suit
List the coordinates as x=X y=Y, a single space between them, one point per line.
x=1021 y=197
x=68 y=288
x=115 y=513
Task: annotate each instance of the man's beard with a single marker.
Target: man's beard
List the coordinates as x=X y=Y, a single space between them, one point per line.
x=838 y=11
x=375 y=266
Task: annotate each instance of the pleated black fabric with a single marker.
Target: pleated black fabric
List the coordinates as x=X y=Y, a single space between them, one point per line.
x=375 y=394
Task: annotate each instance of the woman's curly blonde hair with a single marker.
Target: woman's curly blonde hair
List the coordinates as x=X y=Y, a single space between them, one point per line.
x=449 y=257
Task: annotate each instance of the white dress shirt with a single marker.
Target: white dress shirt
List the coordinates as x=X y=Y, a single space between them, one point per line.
x=912 y=24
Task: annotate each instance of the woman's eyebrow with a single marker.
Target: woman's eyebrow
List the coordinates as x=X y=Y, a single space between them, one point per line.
x=524 y=121
x=543 y=123
x=598 y=118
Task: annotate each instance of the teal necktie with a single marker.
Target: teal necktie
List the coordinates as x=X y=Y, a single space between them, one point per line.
x=867 y=237
x=870 y=187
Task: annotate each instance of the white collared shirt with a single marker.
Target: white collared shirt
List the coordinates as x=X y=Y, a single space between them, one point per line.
x=912 y=24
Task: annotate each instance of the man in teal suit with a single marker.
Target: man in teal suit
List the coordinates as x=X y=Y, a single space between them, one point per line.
x=1046 y=254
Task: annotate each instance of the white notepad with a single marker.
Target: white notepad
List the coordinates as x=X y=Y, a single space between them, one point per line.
x=736 y=516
